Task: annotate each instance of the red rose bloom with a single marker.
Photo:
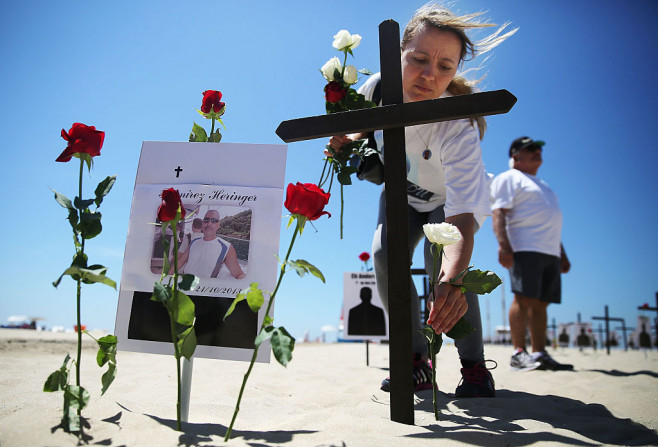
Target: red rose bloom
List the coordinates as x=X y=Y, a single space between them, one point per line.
x=334 y=91
x=169 y=206
x=306 y=199
x=82 y=139
x=211 y=101
x=364 y=256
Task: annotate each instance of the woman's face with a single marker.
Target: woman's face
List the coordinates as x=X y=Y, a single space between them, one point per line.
x=429 y=62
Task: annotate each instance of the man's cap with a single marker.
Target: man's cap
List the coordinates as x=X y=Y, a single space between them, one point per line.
x=523 y=143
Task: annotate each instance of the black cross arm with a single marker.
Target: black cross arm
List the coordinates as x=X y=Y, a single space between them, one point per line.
x=396 y=116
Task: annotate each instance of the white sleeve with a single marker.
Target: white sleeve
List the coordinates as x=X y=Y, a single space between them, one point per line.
x=368 y=87
x=467 y=188
x=502 y=191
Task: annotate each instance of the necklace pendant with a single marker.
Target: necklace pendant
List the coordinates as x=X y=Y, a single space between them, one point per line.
x=427 y=154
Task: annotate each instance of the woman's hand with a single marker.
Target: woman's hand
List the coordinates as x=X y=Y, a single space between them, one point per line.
x=448 y=306
x=337 y=143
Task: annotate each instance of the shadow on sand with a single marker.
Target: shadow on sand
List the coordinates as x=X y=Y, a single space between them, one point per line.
x=194 y=434
x=493 y=422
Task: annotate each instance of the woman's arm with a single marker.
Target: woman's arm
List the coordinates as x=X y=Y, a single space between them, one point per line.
x=449 y=303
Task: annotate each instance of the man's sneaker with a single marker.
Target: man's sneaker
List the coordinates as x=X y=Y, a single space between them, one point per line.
x=546 y=362
x=477 y=381
x=522 y=361
x=422 y=376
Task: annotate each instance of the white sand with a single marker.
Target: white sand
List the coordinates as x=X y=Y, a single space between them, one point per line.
x=328 y=397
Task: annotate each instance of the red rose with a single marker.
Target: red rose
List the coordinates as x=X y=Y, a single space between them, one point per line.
x=645 y=305
x=364 y=256
x=169 y=207
x=307 y=200
x=334 y=91
x=82 y=139
x=211 y=100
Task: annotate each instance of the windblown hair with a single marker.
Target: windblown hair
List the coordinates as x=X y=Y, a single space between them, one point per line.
x=436 y=16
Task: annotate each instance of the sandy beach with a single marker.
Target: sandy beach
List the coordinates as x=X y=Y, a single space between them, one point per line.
x=328 y=396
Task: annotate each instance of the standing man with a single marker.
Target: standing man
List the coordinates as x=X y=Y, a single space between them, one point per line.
x=205 y=255
x=527 y=222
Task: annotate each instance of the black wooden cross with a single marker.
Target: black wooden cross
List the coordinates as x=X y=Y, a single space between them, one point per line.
x=178 y=171
x=608 y=319
x=392 y=117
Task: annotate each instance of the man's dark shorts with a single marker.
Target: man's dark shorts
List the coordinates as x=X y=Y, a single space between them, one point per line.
x=536 y=275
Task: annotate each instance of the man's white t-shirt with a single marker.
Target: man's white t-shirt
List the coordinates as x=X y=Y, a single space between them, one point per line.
x=533 y=218
x=205 y=255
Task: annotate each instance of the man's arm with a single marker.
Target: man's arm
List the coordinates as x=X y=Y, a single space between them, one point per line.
x=505 y=253
x=232 y=264
x=565 y=265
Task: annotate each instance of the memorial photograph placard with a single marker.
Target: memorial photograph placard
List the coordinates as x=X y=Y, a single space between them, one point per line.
x=233 y=199
x=364 y=314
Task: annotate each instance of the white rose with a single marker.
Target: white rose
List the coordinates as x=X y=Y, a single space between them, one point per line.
x=343 y=40
x=330 y=67
x=442 y=233
x=350 y=74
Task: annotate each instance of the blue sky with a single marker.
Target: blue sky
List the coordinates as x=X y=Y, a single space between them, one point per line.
x=582 y=72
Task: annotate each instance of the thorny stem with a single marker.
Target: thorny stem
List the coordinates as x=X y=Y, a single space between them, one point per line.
x=78 y=303
x=174 y=337
x=255 y=353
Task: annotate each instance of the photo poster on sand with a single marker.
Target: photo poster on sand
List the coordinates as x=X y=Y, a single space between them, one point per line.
x=363 y=312
x=584 y=335
x=231 y=191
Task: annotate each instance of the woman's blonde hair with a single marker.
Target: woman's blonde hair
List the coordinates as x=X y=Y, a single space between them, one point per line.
x=437 y=16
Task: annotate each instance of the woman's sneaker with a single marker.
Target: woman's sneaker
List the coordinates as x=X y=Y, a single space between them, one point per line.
x=477 y=381
x=522 y=361
x=422 y=376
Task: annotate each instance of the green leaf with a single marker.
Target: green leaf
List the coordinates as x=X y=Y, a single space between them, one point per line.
x=65 y=202
x=107 y=350
x=282 y=345
x=460 y=330
x=58 y=379
x=267 y=321
x=480 y=282
x=74 y=398
x=185 y=309
x=302 y=267
x=253 y=295
x=161 y=293
x=188 y=282
x=104 y=188
x=82 y=204
x=91 y=275
x=187 y=345
x=108 y=377
x=90 y=225
x=265 y=334
x=364 y=71
x=199 y=133
x=215 y=137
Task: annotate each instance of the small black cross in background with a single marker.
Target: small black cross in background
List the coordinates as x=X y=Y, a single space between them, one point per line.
x=178 y=171
x=392 y=117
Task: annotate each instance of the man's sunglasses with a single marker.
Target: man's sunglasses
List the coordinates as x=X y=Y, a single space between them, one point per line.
x=210 y=219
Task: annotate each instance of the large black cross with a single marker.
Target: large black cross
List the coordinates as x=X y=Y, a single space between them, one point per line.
x=393 y=117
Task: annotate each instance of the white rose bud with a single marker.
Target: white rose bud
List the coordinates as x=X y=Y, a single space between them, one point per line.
x=350 y=75
x=330 y=67
x=442 y=233
x=344 y=41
